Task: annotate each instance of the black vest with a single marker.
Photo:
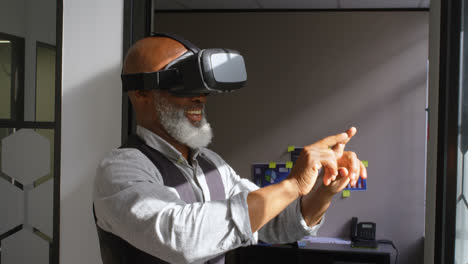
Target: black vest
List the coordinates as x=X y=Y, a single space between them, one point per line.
x=115 y=250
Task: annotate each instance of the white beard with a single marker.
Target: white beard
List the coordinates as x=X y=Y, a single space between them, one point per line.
x=180 y=128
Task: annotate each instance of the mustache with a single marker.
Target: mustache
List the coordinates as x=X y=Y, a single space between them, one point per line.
x=194 y=107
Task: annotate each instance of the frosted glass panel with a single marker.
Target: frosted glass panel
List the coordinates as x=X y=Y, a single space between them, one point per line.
x=461 y=240
x=26 y=195
x=49 y=134
x=25 y=247
x=26 y=156
x=41 y=205
x=11 y=206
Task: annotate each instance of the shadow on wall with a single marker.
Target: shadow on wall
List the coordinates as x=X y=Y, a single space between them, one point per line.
x=85 y=141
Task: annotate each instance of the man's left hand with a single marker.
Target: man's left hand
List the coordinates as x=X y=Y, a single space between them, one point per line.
x=350 y=168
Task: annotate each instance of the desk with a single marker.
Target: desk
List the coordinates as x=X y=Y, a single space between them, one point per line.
x=312 y=253
x=341 y=254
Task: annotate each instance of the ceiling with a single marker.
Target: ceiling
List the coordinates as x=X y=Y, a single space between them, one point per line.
x=288 y=4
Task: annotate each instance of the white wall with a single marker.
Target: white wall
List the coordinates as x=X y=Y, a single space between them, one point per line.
x=91 y=116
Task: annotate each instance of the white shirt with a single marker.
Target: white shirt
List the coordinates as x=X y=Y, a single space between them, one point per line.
x=131 y=202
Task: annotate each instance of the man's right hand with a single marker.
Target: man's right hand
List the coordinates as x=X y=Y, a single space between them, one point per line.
x=266 y=203
x=314 y=157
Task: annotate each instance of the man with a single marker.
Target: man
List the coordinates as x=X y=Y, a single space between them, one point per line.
x=166 y=198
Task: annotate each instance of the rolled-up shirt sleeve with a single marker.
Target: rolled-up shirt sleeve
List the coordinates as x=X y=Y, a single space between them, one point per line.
x=133 y=203
x=288 y=226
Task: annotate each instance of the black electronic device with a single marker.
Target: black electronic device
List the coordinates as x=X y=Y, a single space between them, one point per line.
x=194 y=73
x=363 y=234
x=366 y=230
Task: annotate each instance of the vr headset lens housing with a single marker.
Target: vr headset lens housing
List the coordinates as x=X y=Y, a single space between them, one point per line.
x=192 y=74
x=211 y=70
x=228 y=67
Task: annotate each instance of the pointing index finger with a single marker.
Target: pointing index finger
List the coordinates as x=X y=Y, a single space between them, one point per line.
x=336 y=139
x=351 y=132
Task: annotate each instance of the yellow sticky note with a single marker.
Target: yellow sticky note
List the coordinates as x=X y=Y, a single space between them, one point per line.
x=346 y=193
x=291 y=148
x=365 y=162
x=272 y=165
x=289 y=165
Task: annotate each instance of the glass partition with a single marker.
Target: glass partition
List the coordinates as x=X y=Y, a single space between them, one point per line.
x=30 y=64
x=26 y=193
x=11 y=77
x=5 y=78
x=45 y=82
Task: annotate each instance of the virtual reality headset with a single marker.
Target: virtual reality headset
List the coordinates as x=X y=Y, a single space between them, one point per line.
x=194 y=73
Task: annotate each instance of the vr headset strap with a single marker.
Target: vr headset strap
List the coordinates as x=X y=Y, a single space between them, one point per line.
x=152 y=80
x=163 y=79
x=189 y=45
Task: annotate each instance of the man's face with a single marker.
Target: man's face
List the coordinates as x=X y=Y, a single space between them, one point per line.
x=184 y=118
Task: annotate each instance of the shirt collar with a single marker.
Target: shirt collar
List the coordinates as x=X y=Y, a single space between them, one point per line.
x=155 y=141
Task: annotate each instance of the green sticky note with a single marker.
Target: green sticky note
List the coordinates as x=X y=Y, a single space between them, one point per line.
x=272 y=165
x=365 y=162
x=289 y=165
x=346 y=193
x=291 y=148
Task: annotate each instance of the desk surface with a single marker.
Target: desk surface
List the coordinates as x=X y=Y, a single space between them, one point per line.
x=328 y=247
x=382 y=248
x=318 y=252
